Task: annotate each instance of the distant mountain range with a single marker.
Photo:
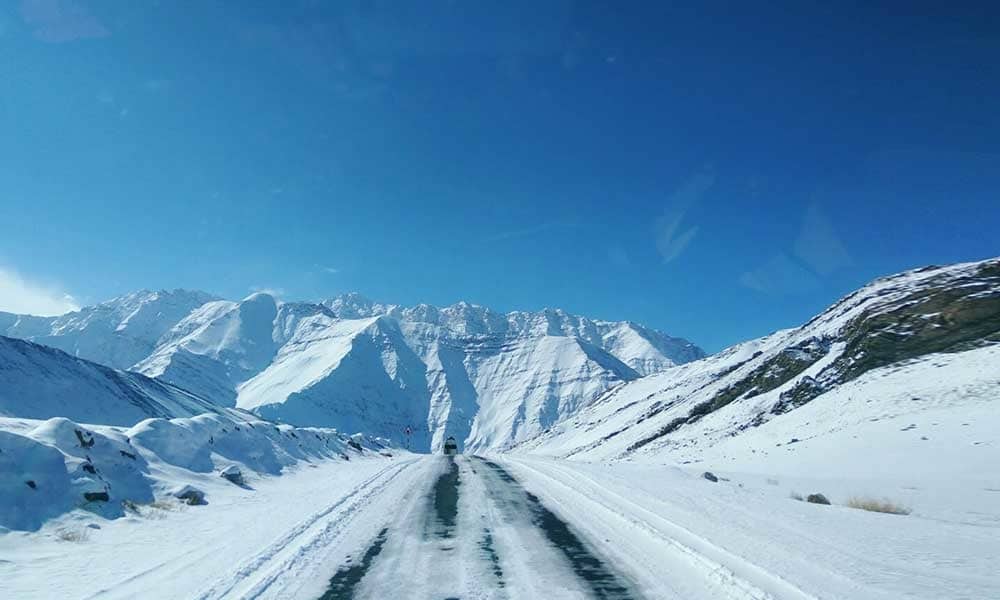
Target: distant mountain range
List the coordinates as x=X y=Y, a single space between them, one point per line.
x=486 y=378
x=546 y=382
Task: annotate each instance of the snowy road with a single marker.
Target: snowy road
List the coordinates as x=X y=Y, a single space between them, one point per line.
x=473 y=531
x=508 y=527
x=477 y=534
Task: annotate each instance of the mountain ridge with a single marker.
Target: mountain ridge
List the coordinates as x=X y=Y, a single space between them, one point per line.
x=524 y=380
x=390 y=368
x=898 y=322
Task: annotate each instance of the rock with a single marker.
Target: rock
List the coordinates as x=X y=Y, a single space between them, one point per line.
x=189 y=494
x=93 y=526
x=232 y=474
x=710 y=476
x=817 y=499
x=96 y=496
x=127 y=454
x=85 y=442
x=31 y=483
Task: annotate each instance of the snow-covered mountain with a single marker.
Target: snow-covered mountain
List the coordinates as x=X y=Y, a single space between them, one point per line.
x=537 y=381
x=118 y=333
x=39 y=382
x=644 y=350
x=217 y=346
x=488 y=379
x=921 y=346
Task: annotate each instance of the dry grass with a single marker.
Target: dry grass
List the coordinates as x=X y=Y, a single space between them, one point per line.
x=151 y=510
x=73 y=535
x=164 y=505
x=881 y=506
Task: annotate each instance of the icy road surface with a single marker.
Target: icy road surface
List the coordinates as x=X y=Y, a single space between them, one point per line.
x=478 y=533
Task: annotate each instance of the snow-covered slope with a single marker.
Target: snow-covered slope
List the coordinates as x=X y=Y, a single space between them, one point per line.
x=920 y=346
x=486 y=378
x=218 y=346
x=357 y=375
x=52 y=467
x=117 y=333
x=39 y=382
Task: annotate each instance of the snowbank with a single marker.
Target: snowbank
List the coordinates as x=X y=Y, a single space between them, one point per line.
x=48 y=468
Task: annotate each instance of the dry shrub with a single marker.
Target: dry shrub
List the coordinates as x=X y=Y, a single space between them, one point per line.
x=75 y=535
x=151 y=510
x=882 y=506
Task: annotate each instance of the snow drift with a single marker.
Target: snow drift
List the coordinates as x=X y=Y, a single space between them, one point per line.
x=51 y=467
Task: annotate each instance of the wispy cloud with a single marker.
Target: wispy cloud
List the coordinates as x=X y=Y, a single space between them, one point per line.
x=671 y=237
x=19 y=295
x=272 y=291
x=330 y=270
x=58 y=21
x=528 y=231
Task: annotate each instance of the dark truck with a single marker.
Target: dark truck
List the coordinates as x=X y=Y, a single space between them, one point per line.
x=450 y=447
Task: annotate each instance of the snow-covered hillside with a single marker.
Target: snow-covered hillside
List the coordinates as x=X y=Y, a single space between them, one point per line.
x=909 y=364
x=218 y=346
x=356 y=375
x=486 y=378
x=51 y=467
x=39 y=382
x=79 y=435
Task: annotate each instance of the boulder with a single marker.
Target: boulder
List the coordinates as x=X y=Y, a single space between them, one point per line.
x=95 y=496
x=189 y=494
x=817 y=499
x=232 y=474
x=710 y=476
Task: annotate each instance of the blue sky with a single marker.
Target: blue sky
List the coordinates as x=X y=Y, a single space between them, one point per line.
x=712 y=171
